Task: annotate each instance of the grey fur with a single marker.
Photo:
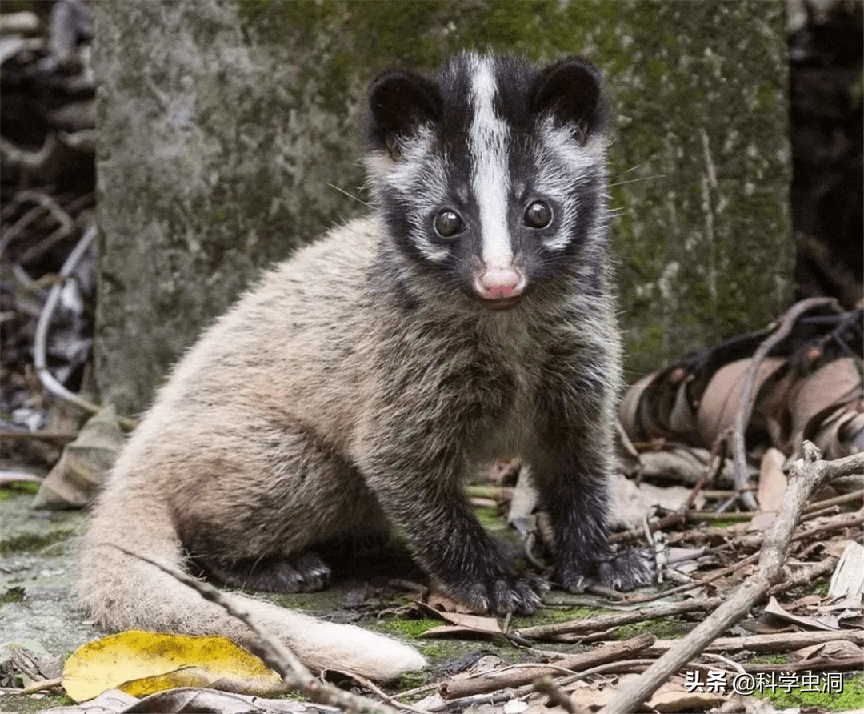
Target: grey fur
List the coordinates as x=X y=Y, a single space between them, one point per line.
x=355 y=387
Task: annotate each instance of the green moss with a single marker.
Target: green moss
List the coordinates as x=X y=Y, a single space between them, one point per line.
x=309 y=602
x=819 y=587
x=408 y=628
x=410 y=680
x=852 y=696
x=489 y=517
x=13 y=490
x=32 y=542
x=664 y=629
x=294 y=695
x=12 y=594
x=432 y=649
x=28 y=704
x=716 y=524
x=554 y=615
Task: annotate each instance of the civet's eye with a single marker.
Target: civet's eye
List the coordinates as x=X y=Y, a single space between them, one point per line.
x=538 y=215
x=447 y=223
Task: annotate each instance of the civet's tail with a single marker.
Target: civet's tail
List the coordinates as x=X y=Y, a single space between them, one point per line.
x=123 y=592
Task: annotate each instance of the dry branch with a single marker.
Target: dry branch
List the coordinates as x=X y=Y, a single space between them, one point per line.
x=808 y=474
x=748 y=397
x=767 y=644
x=604 y=622
x=805 y=575
x=523 y=675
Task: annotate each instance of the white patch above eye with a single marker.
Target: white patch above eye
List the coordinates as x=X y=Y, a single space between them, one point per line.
x=576 y=156
x=490 y=177
x=412 y=162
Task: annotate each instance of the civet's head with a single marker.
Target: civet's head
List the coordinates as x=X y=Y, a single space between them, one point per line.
x=493 y=174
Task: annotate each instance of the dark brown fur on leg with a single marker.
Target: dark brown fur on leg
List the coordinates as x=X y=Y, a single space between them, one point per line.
x=305 y=572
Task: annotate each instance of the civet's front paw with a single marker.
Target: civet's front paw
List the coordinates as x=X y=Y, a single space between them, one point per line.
x=618 y=571
x=502 y=594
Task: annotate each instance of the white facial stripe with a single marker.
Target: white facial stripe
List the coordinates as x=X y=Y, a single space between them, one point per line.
x=490 y=180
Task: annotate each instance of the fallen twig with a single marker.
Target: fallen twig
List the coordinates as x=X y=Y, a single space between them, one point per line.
x=42 y=685
x=857 y=495
x=62 y=436
x=808 y=473
x=715 y=466
x=805 y=575
x=375 y=689
x=817 y=664
x=34 y=161
x=748 y=397
x=745 y=541
x=768 y=644
x=41 y=339
x=604 y=622
x=514 y=677
x=49 y=204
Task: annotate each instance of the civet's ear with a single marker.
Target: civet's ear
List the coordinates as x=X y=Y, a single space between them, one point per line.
x=400 y=103
x=571 y=92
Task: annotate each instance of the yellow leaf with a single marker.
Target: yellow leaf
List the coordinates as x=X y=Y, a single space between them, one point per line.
x=142 y=663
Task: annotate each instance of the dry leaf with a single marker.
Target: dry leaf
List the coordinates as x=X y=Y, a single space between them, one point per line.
x=682 y=420
x=840 y=433
x=824 y=622
x=628 y=412
x=465 y=624
x=787 y=400
x=632 y=502
x=680 y=700
x=832 y=385
x=848 y=578
x=722 y=397
x=658 y=406
x=837 y=649
x=685 y=463
x=141 y=663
